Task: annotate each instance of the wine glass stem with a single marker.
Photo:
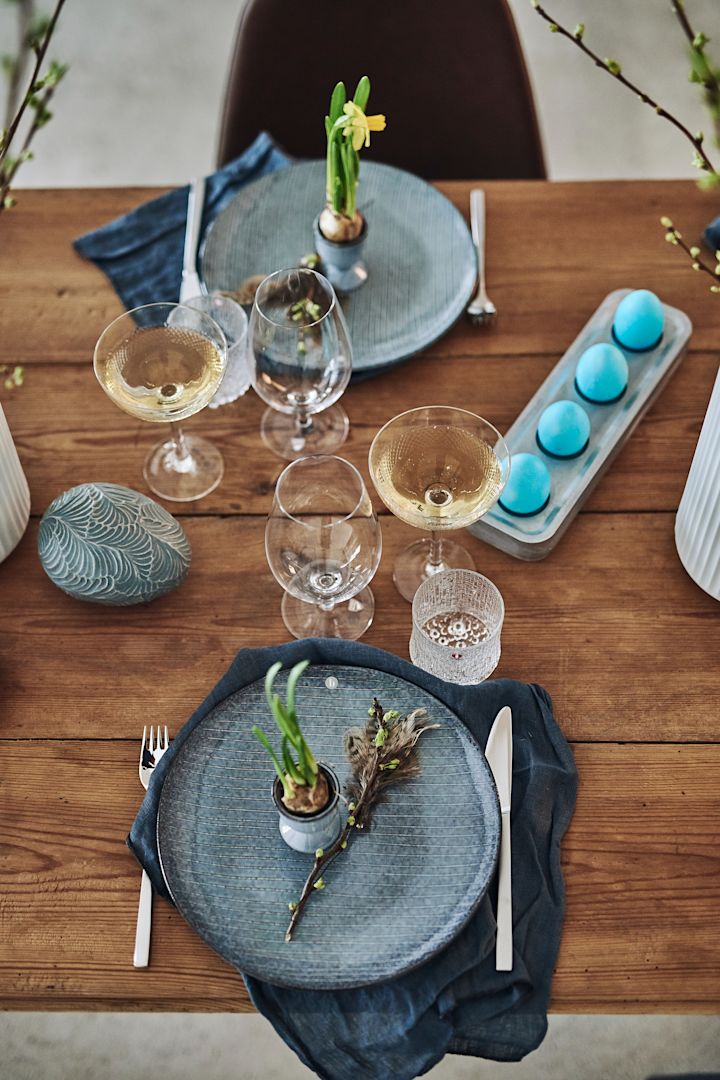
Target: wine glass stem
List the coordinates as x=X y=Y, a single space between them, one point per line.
x=435 y=556
x=326 y=605
x=303 y=428
x=178 y=439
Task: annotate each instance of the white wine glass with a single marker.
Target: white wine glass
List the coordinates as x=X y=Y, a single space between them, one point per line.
x=437 y=468
x=323 y=545
x=163 y=363
x=301 y=361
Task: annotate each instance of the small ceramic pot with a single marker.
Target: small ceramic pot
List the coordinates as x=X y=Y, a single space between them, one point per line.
x=308 y=832
x=342 y=262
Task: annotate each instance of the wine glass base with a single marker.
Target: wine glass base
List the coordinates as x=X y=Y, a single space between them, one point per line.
x=413 y=565
x=328 y=432
x=349 y=620
x=183 y=478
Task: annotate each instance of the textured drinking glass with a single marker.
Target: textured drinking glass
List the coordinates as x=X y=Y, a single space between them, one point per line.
x=457 y=618
x=163 y=363
x=301 y=361
x=323 y=544
x=233 y=322
x=437 y=468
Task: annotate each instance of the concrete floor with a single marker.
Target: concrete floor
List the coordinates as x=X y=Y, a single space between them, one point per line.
x=97 y=1046
x=140 y=106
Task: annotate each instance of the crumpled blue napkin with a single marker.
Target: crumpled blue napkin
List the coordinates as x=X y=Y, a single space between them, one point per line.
x=456 y=1002
x=142 y=252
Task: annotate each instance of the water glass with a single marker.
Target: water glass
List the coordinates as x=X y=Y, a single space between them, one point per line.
x=457 y=618
x=323 y=545
x=232 y=320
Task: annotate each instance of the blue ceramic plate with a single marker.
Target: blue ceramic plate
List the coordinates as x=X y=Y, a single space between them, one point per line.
x=419 y=254
x=398 y=894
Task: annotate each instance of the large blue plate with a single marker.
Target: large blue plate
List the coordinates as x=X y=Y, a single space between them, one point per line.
x=419 y=254
x=398 y=894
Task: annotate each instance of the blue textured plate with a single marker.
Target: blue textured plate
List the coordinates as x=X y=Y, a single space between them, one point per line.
x=419 y=254
x=398 y=894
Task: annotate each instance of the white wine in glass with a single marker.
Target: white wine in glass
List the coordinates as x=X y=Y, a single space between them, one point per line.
x=437 y=468
x=163 y=363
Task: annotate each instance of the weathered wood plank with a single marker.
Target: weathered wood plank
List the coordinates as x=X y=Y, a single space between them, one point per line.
x=610 y=623
x=554 y=251
x=636 y=895
x=68 y=431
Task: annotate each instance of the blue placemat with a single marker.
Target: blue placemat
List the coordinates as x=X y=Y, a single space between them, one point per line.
x=456 y=1002
x=142 y=252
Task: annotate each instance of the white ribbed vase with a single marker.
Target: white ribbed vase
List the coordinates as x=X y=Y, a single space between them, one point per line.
x=697 y=525
x=14 y=493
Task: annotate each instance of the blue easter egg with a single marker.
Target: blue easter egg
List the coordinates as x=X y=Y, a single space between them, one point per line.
x=601 y=374
x=112 y=545
x=528 y=488
x=639 y=320
x=564 y=429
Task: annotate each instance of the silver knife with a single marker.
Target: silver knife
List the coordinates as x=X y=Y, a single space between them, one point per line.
x=191 y=285
x=499 y=751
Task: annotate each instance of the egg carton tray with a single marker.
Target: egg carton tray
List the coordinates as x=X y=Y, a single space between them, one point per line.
x=611 y=426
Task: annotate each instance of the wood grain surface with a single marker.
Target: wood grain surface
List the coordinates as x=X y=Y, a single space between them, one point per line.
x=626 y=644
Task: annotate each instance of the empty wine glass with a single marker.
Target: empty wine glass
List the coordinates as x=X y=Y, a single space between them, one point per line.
x=163 y=363
x=323 y=544
x=232 y=320
x=437 y=468
x=301 y=360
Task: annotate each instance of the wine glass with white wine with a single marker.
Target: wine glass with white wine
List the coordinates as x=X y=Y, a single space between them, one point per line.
x=163 y=363
x=437 y=468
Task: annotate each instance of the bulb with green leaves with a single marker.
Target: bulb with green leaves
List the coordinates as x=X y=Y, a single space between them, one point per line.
x=348 y=128
x=305 y=788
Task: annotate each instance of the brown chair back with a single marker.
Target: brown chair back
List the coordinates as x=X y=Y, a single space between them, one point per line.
x=449 y=75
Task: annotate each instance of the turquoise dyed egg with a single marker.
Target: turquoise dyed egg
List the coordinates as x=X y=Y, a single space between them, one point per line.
x=639 y=320
x=601 y=374
x=112 y=545
x=528 y=487
x=564 y=429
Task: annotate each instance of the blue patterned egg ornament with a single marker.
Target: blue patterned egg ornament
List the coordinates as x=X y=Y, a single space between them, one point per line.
x=639 y=321
x=601 y=375
x=563 y=429
x=528 y=488
x=112 y=545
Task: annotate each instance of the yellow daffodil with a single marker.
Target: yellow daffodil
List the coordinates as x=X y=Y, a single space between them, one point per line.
x=359 y=125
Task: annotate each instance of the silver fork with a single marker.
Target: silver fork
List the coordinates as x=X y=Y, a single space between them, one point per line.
x=152 y=749
x=481 y=310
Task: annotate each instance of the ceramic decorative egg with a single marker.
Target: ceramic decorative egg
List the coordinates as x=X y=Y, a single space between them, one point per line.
x=639 y=321
x=563 y=429
x=601 y=375
x=528 y=487
x=112 y=545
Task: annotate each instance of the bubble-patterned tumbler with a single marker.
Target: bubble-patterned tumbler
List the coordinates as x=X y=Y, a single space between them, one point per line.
x=457 y=618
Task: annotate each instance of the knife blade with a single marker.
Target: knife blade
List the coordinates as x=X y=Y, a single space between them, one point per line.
x=191 y=285
x=498 y=751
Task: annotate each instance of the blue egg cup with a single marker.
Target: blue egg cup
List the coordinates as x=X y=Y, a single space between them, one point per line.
x=629 y=348
x=562 y=457
x=594 y=401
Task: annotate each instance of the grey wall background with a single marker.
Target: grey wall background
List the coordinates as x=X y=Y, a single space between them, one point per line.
x=142 y=100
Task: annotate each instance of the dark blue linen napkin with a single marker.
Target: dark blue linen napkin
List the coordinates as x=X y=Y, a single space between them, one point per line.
x=142 y=252
x=456 y=1002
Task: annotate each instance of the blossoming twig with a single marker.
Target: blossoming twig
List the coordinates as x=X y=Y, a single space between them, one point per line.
x=676 y=239
x=700 y=157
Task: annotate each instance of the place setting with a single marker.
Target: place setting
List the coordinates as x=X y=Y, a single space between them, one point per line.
x=363 y=838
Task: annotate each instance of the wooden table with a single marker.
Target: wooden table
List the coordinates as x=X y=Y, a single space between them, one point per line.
x=626 y=644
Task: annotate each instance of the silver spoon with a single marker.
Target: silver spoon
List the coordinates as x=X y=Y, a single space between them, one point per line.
x=481 y=311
